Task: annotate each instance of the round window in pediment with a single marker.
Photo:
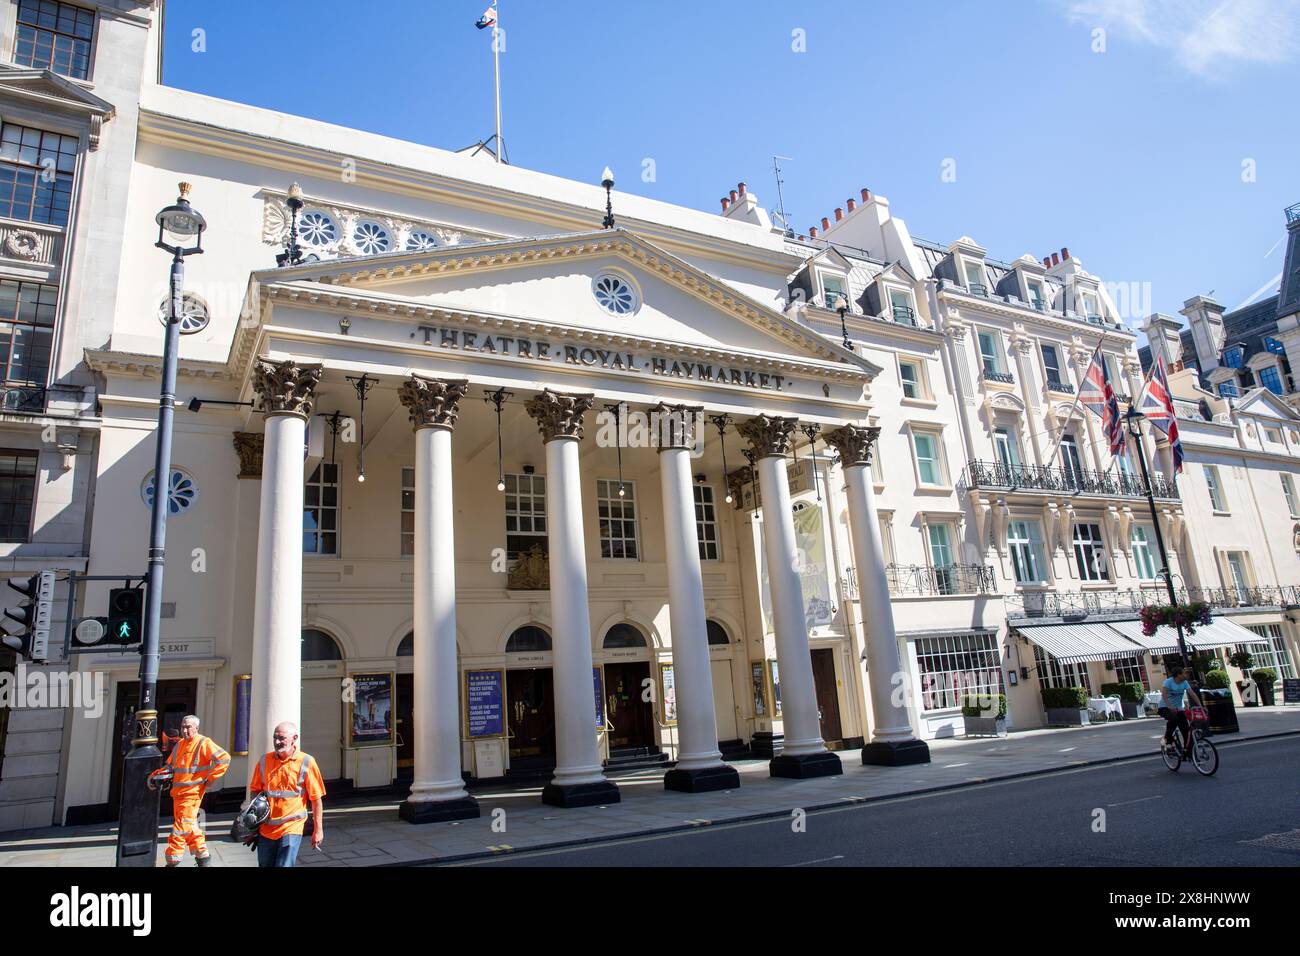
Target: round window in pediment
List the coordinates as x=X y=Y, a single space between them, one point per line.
x=317 y=229
x=615 y=294
x=371 y=238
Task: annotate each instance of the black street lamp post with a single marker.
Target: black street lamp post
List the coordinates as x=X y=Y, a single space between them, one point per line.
x=137 y=833
x=1132 y=418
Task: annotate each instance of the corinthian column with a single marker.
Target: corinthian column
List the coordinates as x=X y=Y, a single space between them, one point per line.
x=285 y=391
x=803 y=753
x=578 y=780
x=892 y=741
x=699 y=762
x=438 y=790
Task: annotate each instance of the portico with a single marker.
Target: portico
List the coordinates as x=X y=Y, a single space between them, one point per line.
x=605 y=474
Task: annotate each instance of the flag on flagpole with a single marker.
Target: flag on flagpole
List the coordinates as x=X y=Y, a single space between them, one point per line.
x=489 y=18
x=1156 y=403
x=1098 y=396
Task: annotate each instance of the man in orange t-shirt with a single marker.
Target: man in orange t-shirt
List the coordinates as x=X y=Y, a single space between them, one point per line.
x=290 y=779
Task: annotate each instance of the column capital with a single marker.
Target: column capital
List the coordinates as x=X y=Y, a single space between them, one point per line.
x=559 y=414
x=678 y=426
x=287 y=387
x=854 y=443
x=248 y=446
x=768 y=435
x=432 y=402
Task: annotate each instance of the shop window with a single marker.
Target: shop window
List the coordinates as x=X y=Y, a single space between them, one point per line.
x=957 y=665
x=1052 y=673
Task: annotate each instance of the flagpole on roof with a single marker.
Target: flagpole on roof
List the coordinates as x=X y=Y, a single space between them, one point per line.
x=1078 y=394
x=496 y=72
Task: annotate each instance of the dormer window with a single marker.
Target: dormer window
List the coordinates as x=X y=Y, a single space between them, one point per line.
x=833 y=291
x=900 y=305
x=1271 y=379
x=1089 y=307
x=1232 y=358
x=975 y=278
x=1036 y=299
x=54 y=36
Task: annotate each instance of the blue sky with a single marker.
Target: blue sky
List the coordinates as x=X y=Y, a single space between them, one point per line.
x=1159 y=151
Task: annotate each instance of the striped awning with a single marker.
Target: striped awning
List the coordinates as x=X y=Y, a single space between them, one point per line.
x=1220 y=632
x=1078 y=643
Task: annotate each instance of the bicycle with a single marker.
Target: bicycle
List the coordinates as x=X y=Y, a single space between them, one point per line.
x=1200 y=749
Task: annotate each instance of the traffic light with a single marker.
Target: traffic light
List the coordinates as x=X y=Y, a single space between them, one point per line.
x=125 y=615
x=33 y=641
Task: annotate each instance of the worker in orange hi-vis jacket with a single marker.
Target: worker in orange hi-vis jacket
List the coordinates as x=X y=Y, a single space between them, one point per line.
x=195 y=763
x=291 y=780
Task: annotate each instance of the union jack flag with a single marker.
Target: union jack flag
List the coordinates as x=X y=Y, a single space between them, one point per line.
x=1098 y=395
x=1157 y=404
x=489 y=18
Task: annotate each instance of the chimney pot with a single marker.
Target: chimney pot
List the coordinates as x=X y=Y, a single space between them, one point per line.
x=852 y=204
x=1047 y=262
x=826 y=223
x=743 y=188
x=1065 y=253
x=733 y=195
x=725 y=203
x=839 y=213
x=1056 y=259
x=866 y=194
x=812 y=231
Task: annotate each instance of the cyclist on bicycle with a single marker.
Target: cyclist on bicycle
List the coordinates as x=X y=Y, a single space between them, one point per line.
x=1173 y=691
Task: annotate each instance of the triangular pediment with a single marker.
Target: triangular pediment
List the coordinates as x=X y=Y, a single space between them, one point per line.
x=1263 y=402
x=606 y=284
x=46 y=86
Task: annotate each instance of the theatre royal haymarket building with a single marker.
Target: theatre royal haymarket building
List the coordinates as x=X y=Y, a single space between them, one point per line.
x=476 y=487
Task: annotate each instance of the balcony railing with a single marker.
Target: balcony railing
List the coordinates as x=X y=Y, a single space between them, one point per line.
x=23 y=398
x=1003 y=377
x=1293 y=212
x=1063 y=387
x=1074 y=604
x=1069 y=480
x=904 y=315
x=977 y=288
x=943 y=579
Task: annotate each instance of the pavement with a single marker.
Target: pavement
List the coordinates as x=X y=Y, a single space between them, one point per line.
x=514 y=819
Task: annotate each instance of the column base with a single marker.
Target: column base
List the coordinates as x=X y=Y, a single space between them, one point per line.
x=805 y=766
x=766 y=744
x=702 y=779
x=438 y=811
x=895 y=753
x=580 y=794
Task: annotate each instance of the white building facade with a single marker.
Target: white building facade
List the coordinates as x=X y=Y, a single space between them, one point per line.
x=476 y=488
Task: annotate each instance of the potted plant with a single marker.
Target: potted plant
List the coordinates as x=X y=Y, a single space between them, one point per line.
x=1265 y=678
x=985 y=715
x=1066 y=706
x=1216 y=680
x=1242 y=660
x=1130 y=696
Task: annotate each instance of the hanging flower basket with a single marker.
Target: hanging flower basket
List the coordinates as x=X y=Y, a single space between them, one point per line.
x=1188 y=616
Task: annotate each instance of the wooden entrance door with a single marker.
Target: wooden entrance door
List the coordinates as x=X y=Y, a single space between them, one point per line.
x=828 y=697
x=530 y=716
x=176 y=698
x=724 y=700
x=631 y=716
x=404 y=712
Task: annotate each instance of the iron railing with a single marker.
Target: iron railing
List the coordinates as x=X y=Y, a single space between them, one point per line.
x=1293 y=212
x=977 y=288
x=1004 y=377
x=29 y=399
x=1074 y=604
x=1064 y=387
x=904 y=315
x=942 y=579
x=1067 y=480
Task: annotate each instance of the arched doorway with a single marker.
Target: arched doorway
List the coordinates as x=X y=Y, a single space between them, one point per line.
x=724 y=692
x=629 y=711
x=530 y=699
x=322 y=705
x=404 y=709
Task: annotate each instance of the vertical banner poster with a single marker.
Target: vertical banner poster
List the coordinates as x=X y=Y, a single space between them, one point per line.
x=759 y=680
x=370 y=722
x=600 y=697
x=484 y=704
x=240 y=714
x=670 y=693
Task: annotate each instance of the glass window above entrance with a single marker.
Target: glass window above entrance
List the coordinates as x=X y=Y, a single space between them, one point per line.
x=624 y=635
